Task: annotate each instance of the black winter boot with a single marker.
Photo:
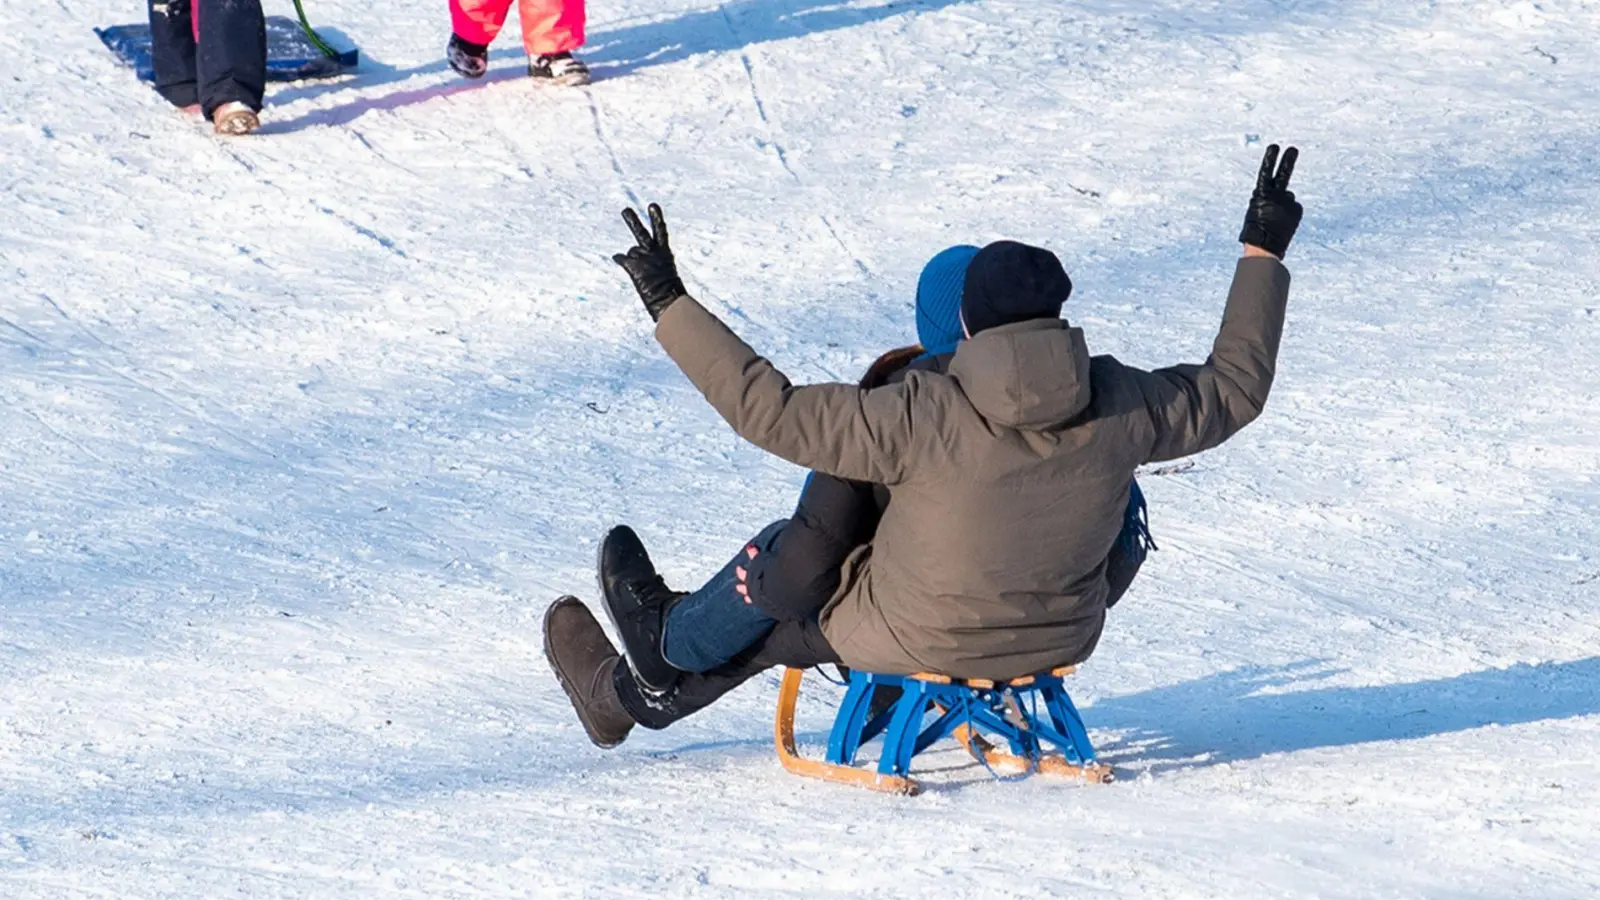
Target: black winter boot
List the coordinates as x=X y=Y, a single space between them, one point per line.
x=468 y=59
x=637 y=599
x=559 y=68
x=585 y=664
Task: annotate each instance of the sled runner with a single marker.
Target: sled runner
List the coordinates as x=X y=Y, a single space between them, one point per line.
x=1032 y=716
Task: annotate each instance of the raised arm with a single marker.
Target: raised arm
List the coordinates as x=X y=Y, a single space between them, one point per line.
x=1195 y=408
x=837 y=429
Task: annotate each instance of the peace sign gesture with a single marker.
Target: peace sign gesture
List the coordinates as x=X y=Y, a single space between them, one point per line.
x=1276 y=180
x=1274 y=214
x=649 y=263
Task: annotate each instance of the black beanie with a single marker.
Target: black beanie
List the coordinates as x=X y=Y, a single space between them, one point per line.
x=1010 y=282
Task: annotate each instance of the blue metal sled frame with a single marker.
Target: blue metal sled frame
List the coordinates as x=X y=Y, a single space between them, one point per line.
x=1033 y=717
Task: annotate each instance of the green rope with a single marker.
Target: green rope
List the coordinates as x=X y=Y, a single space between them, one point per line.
x=311 y=33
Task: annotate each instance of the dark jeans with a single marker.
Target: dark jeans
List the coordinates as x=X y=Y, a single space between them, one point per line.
x=795 y=572
x=227 y=64
x=712 y=625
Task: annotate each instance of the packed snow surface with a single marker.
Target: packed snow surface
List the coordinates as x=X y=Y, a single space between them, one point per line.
x=299 y=435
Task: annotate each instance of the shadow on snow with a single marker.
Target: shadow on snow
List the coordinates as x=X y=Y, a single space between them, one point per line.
x=1254 y=712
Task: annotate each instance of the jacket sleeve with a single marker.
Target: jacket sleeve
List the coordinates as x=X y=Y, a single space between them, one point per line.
x=1195 y=408
x=836 y=429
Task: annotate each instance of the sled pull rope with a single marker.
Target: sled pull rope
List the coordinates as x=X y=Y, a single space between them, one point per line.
x=983 y=758
x=311 y=33
x=838 y=677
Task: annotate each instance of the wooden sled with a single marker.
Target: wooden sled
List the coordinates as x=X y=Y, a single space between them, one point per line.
x=972 y=711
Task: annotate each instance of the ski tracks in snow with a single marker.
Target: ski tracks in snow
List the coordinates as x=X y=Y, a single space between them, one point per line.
x=773 y=142
x=611 y=151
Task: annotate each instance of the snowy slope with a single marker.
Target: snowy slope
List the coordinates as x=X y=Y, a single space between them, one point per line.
x=299 y=434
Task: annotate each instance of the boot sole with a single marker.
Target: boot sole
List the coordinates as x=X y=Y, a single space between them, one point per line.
x=605 y=603
x=564 y=80
x=566 y=684
x=236 y=124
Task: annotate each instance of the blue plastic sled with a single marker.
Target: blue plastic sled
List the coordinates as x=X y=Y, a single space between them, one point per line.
x=290 y=55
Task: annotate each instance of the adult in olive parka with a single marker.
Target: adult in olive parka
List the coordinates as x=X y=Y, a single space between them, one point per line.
x=1008 y=476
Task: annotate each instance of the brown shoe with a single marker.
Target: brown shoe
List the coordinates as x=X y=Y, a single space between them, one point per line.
x=584 y=660
x=234 y=119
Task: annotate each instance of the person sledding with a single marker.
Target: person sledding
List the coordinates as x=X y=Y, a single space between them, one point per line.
x=788 y=572
x=1008 y=481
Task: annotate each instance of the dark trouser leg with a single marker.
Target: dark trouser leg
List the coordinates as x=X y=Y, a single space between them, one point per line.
x=232 y=60
x=798 y=644
x=713 y=625
x=172 y=51
x=1121 y=567
x=800 y=574
x=1132 y=545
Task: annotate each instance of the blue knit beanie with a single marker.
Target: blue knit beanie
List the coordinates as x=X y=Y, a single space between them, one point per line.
x=939 y=299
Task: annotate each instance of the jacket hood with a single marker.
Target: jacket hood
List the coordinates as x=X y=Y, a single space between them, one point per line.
x=1031 y=375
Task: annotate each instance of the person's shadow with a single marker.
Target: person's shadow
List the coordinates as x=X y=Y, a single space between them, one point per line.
x=612 y=52
x=1252 y=712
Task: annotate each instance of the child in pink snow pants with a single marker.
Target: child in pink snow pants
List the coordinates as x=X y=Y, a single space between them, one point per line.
x=551 y=30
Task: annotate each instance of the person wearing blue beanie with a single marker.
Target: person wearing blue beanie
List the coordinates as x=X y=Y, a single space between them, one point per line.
x=939 y=292
x=788 y=572
x=1009 y=481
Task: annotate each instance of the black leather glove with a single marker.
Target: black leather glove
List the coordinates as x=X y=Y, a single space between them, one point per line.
x=1274 y=214
x=650 y=263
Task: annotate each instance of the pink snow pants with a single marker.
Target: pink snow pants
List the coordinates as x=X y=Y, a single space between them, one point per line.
x=548 y=26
